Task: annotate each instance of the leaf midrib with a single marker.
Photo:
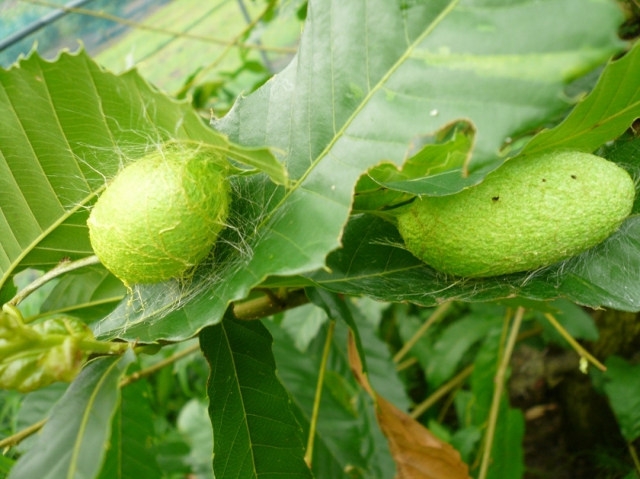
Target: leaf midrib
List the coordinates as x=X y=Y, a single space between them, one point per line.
x=45 y=232
x=73 y=463
x=341 y=132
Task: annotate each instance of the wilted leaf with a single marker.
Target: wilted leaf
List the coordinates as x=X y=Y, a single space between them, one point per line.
x=417 y=452
x=348 y=442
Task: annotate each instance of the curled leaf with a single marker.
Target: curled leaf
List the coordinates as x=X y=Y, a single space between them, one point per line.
x=34 y=356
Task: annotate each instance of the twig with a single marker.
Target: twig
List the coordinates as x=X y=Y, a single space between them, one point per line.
x=143 y=373
x=267 y=305
x=497 y=393
x=308 y=455
x=437 y=314
x=583 y=353
x=234 y=42
x=21 y=435
x=54 y=273
x=151 y=28
x=442 y=391
x=634 y=456
x=407 y=363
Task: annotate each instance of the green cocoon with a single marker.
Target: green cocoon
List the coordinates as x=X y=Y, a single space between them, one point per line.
x=160 y=215
x=529 y=213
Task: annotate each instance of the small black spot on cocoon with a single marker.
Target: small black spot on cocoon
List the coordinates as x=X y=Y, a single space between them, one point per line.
x=574 y=177
x=495 y=198
x=544 y=180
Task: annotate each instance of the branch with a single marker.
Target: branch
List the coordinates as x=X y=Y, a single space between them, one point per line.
x=437 y=314
x=268 y=305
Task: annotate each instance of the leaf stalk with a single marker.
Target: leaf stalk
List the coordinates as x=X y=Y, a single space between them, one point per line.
x=59 y=270
x=501 y=374
x=583 y=353
x=308 y=455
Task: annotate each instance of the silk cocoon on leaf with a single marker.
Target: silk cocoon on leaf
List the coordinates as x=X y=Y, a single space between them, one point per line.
x=161 y=215
x=529 y=213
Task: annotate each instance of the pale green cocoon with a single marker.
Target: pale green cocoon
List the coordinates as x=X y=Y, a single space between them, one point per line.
x=529 y=213
x=161 y=215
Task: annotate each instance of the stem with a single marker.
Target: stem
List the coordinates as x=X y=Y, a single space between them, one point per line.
x=634 y=456
x=103 y=347
x=442 y=391
x=308 y=455
x=229 y=46
x=159 y=365
x=20 y=436
x=268 y=305
x=407 y=363
x=437 y=314
x=73 y=308
x=583 y=353
x=14 y=312
x=497 y=392
x=54 y=273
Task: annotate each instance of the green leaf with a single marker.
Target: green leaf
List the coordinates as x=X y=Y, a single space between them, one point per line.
x=303 y=323
x=129 y=455
x=374 y=262
x=37 y=404
x=191 y=419
x=603 y=116
x=625 y=150
x=608 y=275
x=73 y=441
x=455 y=341
x=507 y=454
x=418 y=67
x=434 y=170
x=370 y=78
x=89 y=293
x=255 y=432
x=68 y=127
x=346 y=445
x=623 y=390
x=6 y=464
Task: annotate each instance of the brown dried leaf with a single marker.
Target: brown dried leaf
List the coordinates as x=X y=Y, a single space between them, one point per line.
x=418 y=454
